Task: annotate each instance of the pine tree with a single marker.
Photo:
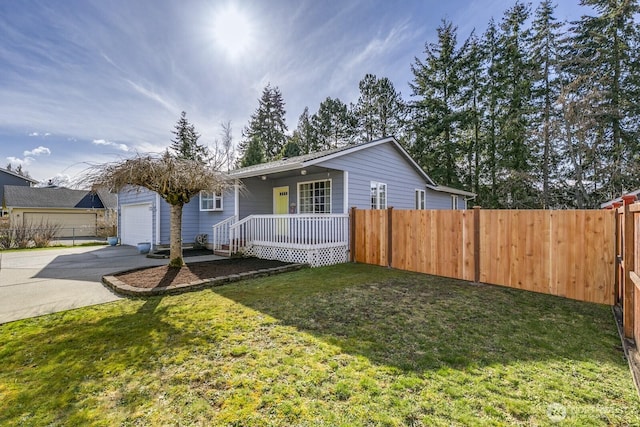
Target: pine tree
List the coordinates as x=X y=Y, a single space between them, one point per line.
x=606 y=69
x=304 y=135
x=514 y=69
x=185 y=144
x=438 y=113
x=546 y=90
x=267 y=124
x=334 y=124
x=290 y=149
x=253 y=155
x=379 y=110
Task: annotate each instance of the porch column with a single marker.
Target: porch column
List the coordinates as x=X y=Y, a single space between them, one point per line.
x=345 y=195
x=236 y=202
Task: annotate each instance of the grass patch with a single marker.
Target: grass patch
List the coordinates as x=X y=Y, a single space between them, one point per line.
x=343 y=345
x=56 y=246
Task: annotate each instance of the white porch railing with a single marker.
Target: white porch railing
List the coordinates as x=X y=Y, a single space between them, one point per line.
x=220 y=235
x=316 y=239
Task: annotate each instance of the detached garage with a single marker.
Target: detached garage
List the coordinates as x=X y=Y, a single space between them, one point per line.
x=136 y=222
x=77 y=212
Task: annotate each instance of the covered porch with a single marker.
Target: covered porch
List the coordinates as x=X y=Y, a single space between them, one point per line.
x=297 y=215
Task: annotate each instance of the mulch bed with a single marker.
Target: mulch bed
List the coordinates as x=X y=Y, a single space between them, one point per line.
x=153 y=277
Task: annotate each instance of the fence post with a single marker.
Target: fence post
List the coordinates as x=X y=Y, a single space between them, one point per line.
x=628 y=260
x=476 y=243
x=389 y=236
x=352 y=235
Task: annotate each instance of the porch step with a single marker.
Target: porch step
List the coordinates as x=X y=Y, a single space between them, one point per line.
x=221 y=252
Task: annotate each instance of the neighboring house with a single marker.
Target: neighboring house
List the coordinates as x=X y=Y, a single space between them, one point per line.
x=316 y=189
x=630 y=197
x=11 y=178
x=78 y=212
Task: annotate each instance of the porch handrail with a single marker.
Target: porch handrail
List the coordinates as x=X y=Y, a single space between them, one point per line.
x=290 y=231
x=220 y=233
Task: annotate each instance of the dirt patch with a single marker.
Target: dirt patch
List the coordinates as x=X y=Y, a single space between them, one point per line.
x=186 y=253
x=162 y=276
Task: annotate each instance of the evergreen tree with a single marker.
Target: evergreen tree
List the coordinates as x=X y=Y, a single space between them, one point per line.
x=606 y=68
x=334 y=124
x=438 y=111
x=185 y=143
x=515 y=73
x=253 y=154
x=267 y=124
x=304 y=135
x=290 y=149
x=546 y=90
x=379 y=111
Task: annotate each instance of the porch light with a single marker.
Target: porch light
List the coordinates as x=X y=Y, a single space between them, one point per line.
x=303 y=172
x=263 y=177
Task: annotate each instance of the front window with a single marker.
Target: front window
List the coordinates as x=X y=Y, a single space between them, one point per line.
x=314 y=197
x=420 y=199
x=378 y=195
x=210 y=201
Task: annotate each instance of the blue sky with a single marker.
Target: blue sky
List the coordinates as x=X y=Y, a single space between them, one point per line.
x=95 y=81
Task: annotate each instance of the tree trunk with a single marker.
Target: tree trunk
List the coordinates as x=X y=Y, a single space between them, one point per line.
x=175 y=248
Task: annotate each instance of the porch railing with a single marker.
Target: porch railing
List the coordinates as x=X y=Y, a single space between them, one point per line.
x=295 y=231
x=220 y=234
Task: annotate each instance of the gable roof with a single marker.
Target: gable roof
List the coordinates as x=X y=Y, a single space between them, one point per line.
x=16 y=196
x=311 y=159
x=12 y=173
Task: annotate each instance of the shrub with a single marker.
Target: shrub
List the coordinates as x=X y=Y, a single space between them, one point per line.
x=44 y=234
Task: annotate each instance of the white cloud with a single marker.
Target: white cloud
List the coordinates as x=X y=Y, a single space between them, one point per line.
x=17 y=161
x=34 y=134
x=121 y=147
x=38 y=151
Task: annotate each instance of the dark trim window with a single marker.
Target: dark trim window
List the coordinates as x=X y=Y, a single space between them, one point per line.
x=210 y=201
x=314 y=196
x=378 y=195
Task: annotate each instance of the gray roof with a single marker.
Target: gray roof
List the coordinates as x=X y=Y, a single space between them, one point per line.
x=51 y=197
x=26 y=178
x=310 y=159
x=109 y=199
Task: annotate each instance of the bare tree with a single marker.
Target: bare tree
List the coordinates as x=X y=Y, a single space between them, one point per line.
x=228 y=151
x=175 y=179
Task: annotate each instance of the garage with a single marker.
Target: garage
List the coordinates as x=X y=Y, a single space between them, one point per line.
x=78 y=224
x=136 y=224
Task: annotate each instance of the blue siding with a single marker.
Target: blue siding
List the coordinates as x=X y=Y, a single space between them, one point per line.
x=258 y=195
x=208 y=219
x=381 y=163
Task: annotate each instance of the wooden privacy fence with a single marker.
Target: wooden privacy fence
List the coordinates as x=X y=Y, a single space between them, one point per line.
x=566 y=253
x=628 y=267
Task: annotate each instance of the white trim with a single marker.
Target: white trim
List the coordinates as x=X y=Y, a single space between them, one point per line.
x=386 y=194
x=310 y=182
x=424 y=198
x=157 y=207
x=454 y=202
x=216 y=196
x=236 y=202
x=345 y=192
x=443 y=189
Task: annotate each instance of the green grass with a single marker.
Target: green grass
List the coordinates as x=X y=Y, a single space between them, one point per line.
x=347 y=345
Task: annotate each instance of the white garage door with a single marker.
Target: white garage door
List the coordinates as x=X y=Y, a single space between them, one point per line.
x=71 y=224
x=136 y=224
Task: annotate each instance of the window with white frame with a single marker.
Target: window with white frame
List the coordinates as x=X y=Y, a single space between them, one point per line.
x=210 y=201
x=314 y=196
x=454 y=201
x=421 y=199
x=378 y=195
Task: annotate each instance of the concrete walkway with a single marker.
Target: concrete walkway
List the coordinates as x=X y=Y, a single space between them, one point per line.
x=37 y=282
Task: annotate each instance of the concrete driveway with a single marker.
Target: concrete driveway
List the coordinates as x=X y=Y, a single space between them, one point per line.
x=33 y=283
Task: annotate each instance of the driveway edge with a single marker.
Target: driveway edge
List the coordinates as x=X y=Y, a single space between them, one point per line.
x=122 y=288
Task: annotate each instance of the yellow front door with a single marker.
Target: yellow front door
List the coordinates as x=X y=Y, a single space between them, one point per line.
x=280 y=200
x=281 y=206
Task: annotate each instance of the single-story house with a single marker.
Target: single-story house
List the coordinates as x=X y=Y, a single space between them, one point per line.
x=8 y=177
x=302 y=203
x=78 y=212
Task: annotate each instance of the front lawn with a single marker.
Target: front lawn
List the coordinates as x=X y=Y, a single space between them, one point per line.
x=343 y=345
